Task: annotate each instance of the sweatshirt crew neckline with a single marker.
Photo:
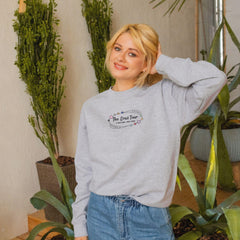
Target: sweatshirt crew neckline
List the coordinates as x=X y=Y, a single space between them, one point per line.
x=125 y=93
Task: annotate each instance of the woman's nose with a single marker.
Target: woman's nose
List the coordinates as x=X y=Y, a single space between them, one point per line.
x=121 y=57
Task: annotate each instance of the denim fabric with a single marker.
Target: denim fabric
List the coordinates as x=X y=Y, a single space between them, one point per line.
x=123 y=218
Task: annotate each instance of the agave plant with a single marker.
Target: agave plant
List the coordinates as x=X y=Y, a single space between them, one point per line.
x=221 y=109
x=42 y=198
x=210 y=217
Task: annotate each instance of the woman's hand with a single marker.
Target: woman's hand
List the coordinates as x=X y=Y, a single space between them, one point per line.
x=81 y=238
x=154 y=70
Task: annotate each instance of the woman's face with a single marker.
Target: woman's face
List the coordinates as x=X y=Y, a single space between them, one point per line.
x=126 y=60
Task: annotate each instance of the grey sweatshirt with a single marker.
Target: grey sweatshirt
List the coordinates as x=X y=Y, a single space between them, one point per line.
x=128 y=141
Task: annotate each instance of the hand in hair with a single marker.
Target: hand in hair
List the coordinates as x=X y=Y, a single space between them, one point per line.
x=153 y=70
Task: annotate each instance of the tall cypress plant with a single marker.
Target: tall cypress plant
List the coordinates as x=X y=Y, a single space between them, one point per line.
x=98 y=14
x=39 y=59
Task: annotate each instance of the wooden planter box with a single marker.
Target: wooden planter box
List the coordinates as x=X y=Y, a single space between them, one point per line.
x=48 y=181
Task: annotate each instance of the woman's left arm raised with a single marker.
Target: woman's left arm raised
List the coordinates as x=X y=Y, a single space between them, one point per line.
x=194 y=85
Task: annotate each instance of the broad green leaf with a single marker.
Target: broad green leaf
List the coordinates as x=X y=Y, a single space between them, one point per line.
x=215 y=45
x=212 y=226
x=67 y=194
x=223 y=98
x=230 y=200
x=218 y=211
x=47 y=197
x=233 y=216
x=198 y=219
x=177 y=212
x=38 y=203
x=213 y=110
x=235 y=101
x=192 y=235
x=222 y=68
x=212 y=170
x=232 y=34
x=186 y=131
x=201 y=200
x=178 y=181
x=234 y=114
x=67 y=233
x=232 y=68
x=43 y=226
x=235 y=81
x=188 y=174
x=225 y=178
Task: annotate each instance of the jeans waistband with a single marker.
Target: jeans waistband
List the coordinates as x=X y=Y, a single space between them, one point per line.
x=125 y=200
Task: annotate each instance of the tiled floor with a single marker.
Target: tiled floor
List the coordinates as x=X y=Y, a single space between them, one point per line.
x=184 y=197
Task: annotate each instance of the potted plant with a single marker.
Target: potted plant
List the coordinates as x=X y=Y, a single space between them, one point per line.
x=211 y=218
x=40 y=63
x=43 y=198
x=228 y=120
x=221 y=107
x=98 y=18
x=95 y=12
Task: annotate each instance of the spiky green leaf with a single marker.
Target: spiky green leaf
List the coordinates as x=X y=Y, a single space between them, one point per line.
x=233 y=216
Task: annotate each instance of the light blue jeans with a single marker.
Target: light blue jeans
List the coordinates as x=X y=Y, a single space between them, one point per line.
x=123 y=218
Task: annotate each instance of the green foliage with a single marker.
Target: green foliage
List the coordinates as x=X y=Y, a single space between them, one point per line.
x=210 y=217
x=172 y=7
x=220 y=109
x=98 y=14
x=42 y=198
x=233 y=216
x=39 y=59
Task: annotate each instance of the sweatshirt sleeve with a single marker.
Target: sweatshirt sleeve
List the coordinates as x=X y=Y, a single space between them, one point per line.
x=83 y=178
x=193 y=85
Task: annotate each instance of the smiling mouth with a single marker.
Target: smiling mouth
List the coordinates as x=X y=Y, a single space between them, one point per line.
x=119 y=66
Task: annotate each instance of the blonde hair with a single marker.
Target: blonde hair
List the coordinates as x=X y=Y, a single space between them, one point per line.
x=146 y=40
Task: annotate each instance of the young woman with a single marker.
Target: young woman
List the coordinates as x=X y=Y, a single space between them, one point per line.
x=129 y=137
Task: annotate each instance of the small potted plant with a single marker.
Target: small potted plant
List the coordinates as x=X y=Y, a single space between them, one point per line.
x=40 y=63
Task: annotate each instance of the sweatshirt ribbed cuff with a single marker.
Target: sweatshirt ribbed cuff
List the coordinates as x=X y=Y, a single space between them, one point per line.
x=80 y=230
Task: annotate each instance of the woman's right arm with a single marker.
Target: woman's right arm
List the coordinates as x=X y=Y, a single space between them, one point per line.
x=83 y=178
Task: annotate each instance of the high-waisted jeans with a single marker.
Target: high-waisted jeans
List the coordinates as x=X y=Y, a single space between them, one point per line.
x=123 y=218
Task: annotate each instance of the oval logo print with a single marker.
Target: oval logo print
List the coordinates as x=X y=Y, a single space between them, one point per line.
x=125 y=119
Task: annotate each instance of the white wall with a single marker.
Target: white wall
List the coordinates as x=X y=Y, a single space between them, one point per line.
x=19 y=147
x=233 y=17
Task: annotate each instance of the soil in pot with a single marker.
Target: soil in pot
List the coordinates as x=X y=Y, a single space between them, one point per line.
x=62 y=161
x=185 y=225
x=58 y=237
